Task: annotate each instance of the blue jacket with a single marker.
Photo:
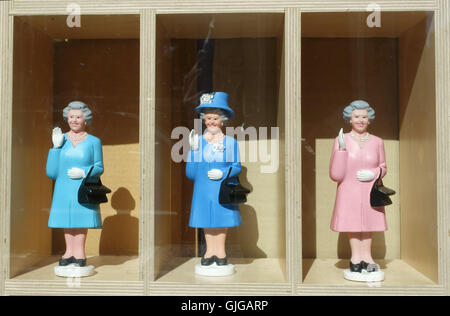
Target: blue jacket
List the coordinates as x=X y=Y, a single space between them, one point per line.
x=66 y=212
x=206 y=211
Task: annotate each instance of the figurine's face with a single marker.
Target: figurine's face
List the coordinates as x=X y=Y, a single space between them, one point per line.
x=360 y=121
x=76 y=121
x=213 y=122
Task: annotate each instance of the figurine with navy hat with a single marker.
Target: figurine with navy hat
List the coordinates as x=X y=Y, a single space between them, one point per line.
x=211 y=157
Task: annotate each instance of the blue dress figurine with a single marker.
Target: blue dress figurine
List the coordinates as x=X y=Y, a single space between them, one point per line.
x=69 y=161
x=211 y=156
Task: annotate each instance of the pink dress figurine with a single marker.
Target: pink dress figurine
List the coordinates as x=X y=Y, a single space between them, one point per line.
x=356 y=162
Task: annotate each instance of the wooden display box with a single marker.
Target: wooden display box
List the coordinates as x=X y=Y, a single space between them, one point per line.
x=240 y=54
x=53 y=65
x=393 y=68
x=288 y=65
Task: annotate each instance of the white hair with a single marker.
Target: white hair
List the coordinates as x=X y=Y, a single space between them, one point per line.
x=358 y=105
x=222 y=114
x=78 y=105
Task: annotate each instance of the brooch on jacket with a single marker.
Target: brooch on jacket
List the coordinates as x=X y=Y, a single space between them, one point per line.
x=218 y=147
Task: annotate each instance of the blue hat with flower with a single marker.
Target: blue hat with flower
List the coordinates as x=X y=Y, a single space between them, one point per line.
x=214 y=100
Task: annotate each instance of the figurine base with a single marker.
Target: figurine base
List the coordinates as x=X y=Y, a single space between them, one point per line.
x=73 y=271
x=214 y=270
x=364 y=276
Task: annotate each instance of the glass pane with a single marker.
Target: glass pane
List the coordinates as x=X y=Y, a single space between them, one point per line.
x=387 y=61
x=55 y=63
x=240 y=55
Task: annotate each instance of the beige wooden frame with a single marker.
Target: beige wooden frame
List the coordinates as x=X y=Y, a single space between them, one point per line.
x=148 y=10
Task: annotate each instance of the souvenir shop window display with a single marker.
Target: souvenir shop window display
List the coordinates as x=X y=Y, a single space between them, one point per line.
x=74 y=156
x=213 y=157
x=357 y=161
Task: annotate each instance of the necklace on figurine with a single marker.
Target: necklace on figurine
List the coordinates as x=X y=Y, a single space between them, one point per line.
x=210 y=138
x=360 y=138
x=76 y=137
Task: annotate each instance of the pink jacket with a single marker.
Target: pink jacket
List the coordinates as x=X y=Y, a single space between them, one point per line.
x=352 y=209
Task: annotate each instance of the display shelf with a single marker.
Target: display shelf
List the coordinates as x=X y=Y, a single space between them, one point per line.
x=114 y=275
x=220 y=289
x=114 y=268
x=326 y=276
x=330 y=272
x=247 y=271
x=74 y=287
x=252 y=277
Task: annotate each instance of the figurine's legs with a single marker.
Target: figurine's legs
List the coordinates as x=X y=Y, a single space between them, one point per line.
x=75 y=242
x=362 y=266
x=68 y=238
x=355 y=246
x=215 y=242
x=361 y=246
x=366 y=247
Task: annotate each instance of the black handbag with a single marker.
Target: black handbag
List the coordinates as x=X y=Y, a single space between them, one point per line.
x=92 y=192
x=231 y=191
x=379 y=196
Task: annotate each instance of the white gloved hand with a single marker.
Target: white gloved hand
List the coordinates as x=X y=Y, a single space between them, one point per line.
x=365 y=175
x=215 y=174
x=57 y=137
x=341 y=140
x=76 y=173
x=193 y=140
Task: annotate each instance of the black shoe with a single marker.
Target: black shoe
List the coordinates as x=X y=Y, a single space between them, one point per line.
x=66 y=261
x=364 y=265
x=355 y=267
x=79 y=262
x=208 y=261
x=221 y=261
x=369 y=267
